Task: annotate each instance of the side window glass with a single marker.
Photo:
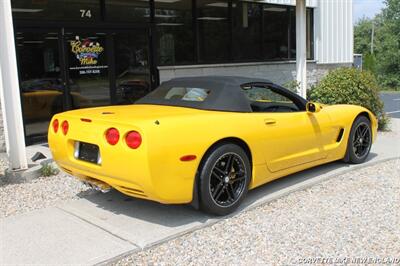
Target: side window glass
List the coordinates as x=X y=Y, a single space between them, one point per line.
x=264 y=99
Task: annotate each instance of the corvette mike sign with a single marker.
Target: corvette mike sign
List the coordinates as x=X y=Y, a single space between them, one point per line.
x=88 y=56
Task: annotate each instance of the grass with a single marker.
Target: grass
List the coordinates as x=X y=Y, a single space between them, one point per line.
x=49 y=170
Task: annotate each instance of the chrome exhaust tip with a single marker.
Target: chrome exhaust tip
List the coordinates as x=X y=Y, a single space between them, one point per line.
x=98 y=186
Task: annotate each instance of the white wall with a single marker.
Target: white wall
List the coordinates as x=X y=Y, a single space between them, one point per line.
x=333 y=28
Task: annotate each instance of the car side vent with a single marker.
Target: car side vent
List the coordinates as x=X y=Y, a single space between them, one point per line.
x=340 y=135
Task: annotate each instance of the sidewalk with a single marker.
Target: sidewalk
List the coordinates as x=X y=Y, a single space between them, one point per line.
x=100 y=227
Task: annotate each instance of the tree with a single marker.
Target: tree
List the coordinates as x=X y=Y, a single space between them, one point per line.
x=385 y=61
x=362 y=36
x=388 y=47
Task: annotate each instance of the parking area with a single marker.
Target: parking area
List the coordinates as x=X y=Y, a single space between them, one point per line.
x=392 y=103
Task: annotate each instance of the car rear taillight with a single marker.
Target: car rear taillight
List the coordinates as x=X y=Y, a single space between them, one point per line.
x=55 y=125
x=65 y=127
x=112 y=136
x=133 y=139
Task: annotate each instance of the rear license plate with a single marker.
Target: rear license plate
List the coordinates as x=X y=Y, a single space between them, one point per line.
x=88 y=152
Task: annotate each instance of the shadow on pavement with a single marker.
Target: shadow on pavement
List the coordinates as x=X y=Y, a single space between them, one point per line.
x=181 y=215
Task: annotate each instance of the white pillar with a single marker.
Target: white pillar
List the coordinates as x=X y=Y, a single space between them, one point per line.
x=9 y=91
x=301 y=46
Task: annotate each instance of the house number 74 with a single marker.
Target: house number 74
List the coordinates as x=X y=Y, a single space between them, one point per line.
x=86 y=13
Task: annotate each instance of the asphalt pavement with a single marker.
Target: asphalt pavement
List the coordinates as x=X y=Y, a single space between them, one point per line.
x=392 y=103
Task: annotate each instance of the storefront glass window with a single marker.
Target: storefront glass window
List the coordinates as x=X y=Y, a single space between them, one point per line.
x=40 y=81
x=128 y=10
x=276 y=21
x=174 y=32
x=131 y=65
x=82 y=10
x=213 y=30
x=246 y=30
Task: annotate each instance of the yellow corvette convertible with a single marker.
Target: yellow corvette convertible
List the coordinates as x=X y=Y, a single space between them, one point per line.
x=207 y=140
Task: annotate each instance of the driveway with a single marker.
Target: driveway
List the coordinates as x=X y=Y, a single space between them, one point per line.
x=392 y=103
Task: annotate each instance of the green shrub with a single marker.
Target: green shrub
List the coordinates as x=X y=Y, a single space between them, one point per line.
x=292 y=85
x=49 y=170
x=351 y=86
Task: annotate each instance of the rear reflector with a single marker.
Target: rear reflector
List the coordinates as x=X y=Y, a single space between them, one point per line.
x=133 y=139
x=187 y=158
x=112 y=136
x=55 y=125
x=65 y=127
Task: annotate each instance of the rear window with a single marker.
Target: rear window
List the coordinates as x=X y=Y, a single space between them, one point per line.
x=186 y=94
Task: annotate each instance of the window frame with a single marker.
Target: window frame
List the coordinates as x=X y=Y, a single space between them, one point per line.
x=296 y=99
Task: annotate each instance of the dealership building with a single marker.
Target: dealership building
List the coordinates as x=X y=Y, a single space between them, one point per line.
x=73 y=54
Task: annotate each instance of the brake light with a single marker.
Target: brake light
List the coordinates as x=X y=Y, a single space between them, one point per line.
x=55 y=125
x=65 y=127
x=112 y=136
x=133 y=139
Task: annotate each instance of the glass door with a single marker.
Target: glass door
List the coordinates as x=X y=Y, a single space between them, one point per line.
x=107 y=67
x=87 y=60
x=40 y=77
x=132 y=67
x=65 y=69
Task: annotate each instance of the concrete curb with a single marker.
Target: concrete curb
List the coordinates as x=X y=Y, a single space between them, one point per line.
x=276 y=195
x=26 y=175
x=34 y=171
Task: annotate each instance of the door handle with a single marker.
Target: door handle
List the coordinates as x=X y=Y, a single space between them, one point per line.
x=269 y=121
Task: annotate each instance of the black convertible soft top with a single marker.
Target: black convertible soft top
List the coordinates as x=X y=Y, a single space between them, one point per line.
x=225 y=93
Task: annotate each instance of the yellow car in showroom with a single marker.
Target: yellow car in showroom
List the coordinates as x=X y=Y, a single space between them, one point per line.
x=207 y=140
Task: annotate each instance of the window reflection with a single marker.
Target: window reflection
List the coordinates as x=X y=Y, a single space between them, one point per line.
x=131 y=66
x=128 y=10
x=276 y=21
x=40 y=81
x=174 y=32
x=88 y=68
x=246 y=30
x=213 y=30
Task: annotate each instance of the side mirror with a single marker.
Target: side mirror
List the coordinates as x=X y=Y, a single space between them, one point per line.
x=313 y=107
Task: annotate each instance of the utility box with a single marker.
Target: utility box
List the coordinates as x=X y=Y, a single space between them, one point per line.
x=358 y=61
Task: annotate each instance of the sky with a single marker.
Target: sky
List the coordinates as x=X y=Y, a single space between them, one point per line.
x=367 y=8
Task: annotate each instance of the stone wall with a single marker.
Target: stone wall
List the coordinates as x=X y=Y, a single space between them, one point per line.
x=278 y=72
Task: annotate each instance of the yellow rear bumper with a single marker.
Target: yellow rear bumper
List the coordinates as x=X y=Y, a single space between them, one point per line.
x=131 y=171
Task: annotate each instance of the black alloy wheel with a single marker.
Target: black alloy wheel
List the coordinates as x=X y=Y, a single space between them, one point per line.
x=224 y=179
x=360 y=141
x=228 y=179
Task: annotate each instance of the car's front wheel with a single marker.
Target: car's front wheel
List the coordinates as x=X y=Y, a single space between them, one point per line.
x=360 y=141
x=224 y=179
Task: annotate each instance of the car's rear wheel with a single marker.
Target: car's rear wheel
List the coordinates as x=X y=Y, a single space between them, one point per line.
x=224 y=179
x=360 y=141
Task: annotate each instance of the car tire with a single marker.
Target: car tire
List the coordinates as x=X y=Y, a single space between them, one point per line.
x=360 y=141
x=224 y=179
